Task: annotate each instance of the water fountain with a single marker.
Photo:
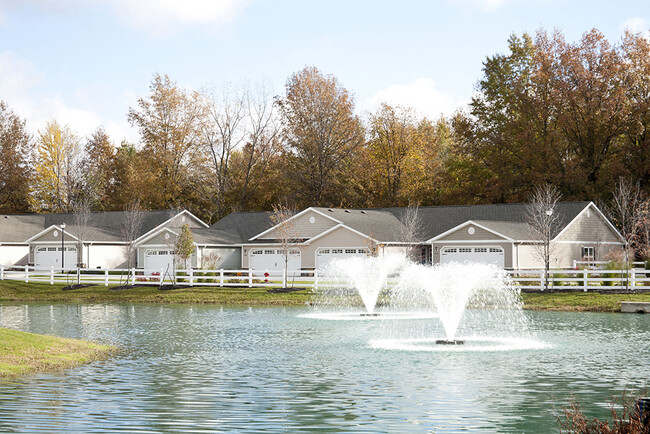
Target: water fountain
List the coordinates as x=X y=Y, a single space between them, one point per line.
x=479 y=297
x=343 y=283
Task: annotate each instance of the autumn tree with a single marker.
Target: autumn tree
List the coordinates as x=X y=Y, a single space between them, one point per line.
x=321 y=133
x=168 y=121
x=57 y=176
x=15 y=162
x=184 y=245
x=96 y=167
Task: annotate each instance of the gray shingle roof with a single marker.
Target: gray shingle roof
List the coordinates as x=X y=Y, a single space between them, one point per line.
x=215 y=236
x=244 y=224
x=379 y=224
x=103 y=226
x=438 y=219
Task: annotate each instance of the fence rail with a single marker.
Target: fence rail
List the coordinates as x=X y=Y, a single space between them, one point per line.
x=535 y=280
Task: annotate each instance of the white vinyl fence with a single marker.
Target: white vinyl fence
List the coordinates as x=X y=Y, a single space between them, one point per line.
x=570 y=280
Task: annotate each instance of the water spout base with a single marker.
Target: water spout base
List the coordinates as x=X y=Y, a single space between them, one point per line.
x=369 y=314
x=449 y=342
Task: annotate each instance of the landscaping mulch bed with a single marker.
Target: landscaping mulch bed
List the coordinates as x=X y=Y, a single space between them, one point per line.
x=82 y=285
x=122 y=287
x=283 y=290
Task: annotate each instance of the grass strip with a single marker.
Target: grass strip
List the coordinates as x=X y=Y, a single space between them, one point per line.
x=24 y=353
x=580 y=301
x=20 y=291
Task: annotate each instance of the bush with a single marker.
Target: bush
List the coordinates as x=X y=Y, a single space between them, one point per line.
x=625 y=420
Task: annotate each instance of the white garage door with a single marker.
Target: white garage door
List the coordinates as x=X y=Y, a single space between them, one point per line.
x=47 y=257
x=272 y=259
x=324 y=256
x=158 y=259
x=484 y=255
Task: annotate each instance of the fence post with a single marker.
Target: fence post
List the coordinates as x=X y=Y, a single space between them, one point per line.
x=161 y=276
x=132 y=279
x=26 y=273
x=106 y=277
x=250 y=278
x=542 y=275
x=2 y=273
x=585 y=279
x=78 y=275
x=316 y=279
x=191 y=277
x=221 y=277
x=632 y=278
x=284 y=278
x=52 y=275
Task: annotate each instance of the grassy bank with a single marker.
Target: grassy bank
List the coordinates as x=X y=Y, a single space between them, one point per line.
x=580 y=301
x=26 y=353
x=20 y=291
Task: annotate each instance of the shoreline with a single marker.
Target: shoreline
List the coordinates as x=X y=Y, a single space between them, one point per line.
x=23 y=353
x=16 y=291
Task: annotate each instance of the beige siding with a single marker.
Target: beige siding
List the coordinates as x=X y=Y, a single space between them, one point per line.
x=507 y=250
x=462 y=234
x=14 y=255
x=49 y=237
x=562 y=255
x=590 y=227
x=102 y=256
x=229 y=257
x=305 y=228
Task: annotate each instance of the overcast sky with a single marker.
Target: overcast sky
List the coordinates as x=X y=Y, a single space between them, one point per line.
x=85 y=62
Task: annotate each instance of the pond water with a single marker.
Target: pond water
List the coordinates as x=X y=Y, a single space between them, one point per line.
x=207 y=368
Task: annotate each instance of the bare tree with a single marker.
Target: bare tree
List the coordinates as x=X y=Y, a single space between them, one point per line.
x=262 y=141
x=82 y=222
x=222 y=132
x=625 y=211
x=543 y=221
x=642 y=239
x=410 y=230
x=131 y=225
x=287 y=235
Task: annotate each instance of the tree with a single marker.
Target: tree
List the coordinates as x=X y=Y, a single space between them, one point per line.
x=222 y=132
x=321 y=133
x=391 y=139
x=168 y=121
x=97 y=176
x=543 y=221
x=57 y=176
x=15 y=162
x=625 y=210
x=133 y=217
x=287 y=235
x=184 y=245
x=409 y=232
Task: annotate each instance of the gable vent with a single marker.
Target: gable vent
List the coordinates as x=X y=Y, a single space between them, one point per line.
x=347 y=210
x=330 y=210
x=363 y=212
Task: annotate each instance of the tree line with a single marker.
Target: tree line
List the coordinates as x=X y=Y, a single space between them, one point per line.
x=572 y=114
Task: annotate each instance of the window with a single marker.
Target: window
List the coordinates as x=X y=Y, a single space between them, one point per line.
x=481 y=250
x=269 y=252
x=326 y=251
x=52 y=249
x=337 y=250
x=496 y=250
x=588 y=253
x=256 y=252
x=294 y=252
x=449 y=251
x=350 y=250
x=464 y=250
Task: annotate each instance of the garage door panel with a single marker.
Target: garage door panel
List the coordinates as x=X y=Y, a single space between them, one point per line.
x=273 y=259
x=48 y=257
x=326 y=255
x=158 y=259
x=479 y=254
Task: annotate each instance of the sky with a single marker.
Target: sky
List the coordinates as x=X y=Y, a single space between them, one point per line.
x=86 y=62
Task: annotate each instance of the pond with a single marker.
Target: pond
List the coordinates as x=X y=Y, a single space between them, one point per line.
x=211 y=368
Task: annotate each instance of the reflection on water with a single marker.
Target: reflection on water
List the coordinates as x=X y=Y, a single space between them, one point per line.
x=204 y=368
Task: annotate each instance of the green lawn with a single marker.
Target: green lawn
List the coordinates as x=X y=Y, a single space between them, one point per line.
x=26 y=353
x=21 y=291
x=580 y=301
